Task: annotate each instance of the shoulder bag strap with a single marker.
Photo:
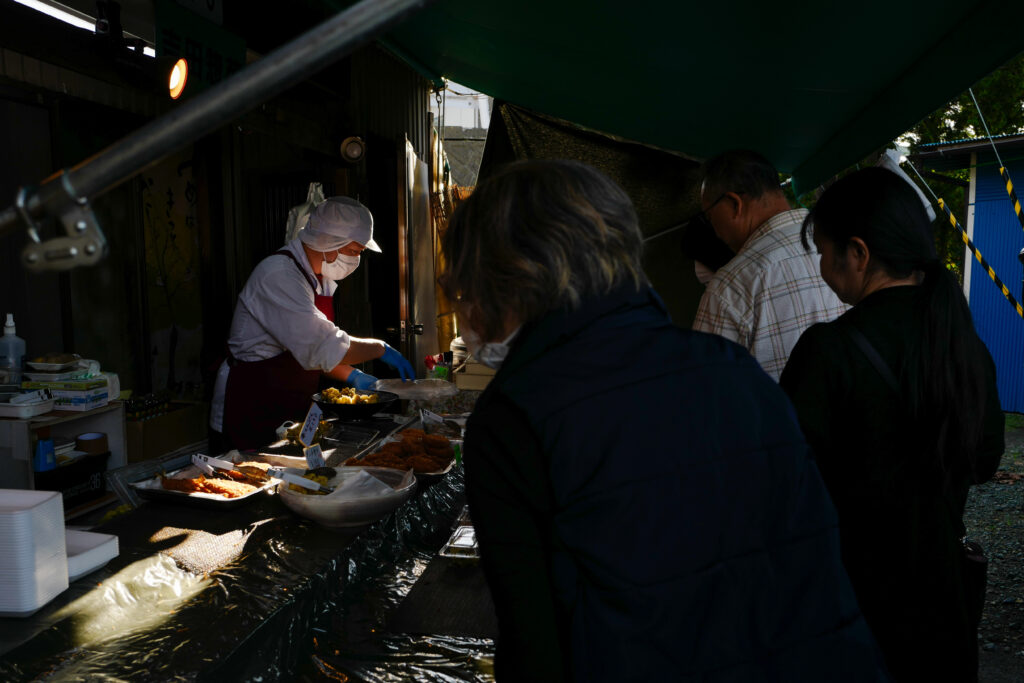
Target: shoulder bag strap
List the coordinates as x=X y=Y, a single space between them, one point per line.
x=880 y=365
x=883 y=369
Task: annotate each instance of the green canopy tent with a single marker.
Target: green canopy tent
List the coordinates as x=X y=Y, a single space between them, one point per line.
x=815 y=86
x=812 y=85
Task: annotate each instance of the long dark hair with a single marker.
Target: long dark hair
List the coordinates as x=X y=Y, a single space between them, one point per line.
x=944 y=383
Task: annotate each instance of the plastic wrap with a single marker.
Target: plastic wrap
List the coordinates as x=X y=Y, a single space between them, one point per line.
x=298 y=601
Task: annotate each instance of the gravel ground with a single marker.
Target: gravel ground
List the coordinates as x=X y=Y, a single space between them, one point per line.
x=995 y=518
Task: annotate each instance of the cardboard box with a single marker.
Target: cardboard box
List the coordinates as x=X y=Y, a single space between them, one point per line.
x=79 y=481
x=471 y=382
x=68 y=385
x=473 y=367
x=68 y=399
x=474 y=376
x=183 y=424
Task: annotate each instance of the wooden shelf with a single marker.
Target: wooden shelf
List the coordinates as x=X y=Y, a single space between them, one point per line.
x=18 y=439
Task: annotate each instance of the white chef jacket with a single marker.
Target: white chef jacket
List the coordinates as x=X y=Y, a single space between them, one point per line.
x=276 y=312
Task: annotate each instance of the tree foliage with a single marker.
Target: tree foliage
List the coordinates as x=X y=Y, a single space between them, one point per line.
x=1000 y=99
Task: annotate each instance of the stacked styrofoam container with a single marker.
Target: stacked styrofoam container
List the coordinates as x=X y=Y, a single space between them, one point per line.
x=33 y=555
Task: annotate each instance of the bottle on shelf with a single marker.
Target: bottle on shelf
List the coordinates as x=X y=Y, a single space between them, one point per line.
x=12 y=354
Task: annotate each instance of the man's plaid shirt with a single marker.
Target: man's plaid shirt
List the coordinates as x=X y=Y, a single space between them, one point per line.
x=769 y=293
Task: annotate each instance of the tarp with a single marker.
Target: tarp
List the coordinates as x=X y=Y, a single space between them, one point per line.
x=272 y=613
x=815 y=86
x=662 y=186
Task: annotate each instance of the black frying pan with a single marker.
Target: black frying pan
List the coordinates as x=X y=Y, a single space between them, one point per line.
x=356 y=411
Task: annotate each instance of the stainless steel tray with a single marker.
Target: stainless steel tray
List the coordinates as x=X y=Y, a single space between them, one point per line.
x=152 y=489
x=461 y=544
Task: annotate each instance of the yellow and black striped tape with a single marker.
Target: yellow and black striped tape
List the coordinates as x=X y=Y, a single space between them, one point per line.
x=1013 y=195
x=984 y=264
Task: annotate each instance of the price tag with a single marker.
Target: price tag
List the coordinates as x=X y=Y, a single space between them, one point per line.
x=314 y=457
x=311 y=424
x=428 y=416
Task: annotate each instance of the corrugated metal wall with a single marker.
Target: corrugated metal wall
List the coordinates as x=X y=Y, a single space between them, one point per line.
x=999 y=237
x=390 y=98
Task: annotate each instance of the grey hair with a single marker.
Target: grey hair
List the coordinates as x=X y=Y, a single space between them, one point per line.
x=739 y=170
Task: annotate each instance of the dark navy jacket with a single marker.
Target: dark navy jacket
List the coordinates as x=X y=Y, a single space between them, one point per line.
x=647 y=509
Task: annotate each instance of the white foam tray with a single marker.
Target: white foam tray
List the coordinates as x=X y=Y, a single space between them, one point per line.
x=24 y=596
x=31 y=527
x=88 y=551
x=26 y=410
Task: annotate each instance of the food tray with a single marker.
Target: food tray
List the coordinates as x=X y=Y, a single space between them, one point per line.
x=152 y=489
x=52 y=376
x=53 y=367
x=88 y=551
x=461 y=544
x=26 y=410
x=434 y=476
x=420 y=476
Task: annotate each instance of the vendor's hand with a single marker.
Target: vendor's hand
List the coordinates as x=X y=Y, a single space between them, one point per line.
x=361 y=380
x=398 y=362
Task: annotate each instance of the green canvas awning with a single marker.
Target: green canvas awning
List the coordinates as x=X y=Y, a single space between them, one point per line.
x=815 y=86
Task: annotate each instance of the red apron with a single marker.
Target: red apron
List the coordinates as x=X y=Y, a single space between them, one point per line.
x=262 y=394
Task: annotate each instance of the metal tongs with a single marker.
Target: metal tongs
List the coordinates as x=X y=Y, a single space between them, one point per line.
x=215 y=467
x=298 y=480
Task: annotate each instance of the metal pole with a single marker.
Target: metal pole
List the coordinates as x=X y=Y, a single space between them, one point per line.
x=279 y=70
x=1020 y=257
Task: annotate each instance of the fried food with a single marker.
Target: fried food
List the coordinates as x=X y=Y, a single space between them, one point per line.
x=347 y=396
x=224 y=487
x=183 y=485
x=255 y=472
x=228 y=488
x=417 y=450
x=318 y=478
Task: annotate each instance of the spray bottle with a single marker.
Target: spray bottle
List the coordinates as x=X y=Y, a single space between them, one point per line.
x=12 y=354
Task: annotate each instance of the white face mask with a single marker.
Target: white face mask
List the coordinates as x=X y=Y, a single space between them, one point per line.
x=339 y=268
x=491 y=354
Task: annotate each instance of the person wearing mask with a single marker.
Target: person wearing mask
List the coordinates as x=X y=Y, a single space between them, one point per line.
x=283 y=336
x=770 y=292
x=646 y=507
x=898 y=400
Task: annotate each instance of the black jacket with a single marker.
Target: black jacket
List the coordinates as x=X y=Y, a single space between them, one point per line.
x=899 y=512
x=647 y=510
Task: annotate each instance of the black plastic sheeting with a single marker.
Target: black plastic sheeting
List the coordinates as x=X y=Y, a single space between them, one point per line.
x=301 y=602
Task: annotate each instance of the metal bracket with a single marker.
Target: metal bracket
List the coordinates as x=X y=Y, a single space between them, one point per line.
x=84 y=244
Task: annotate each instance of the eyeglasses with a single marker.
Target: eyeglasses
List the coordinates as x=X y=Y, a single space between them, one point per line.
x=701 y=220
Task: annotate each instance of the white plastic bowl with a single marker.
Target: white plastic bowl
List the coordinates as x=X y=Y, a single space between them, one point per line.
x=336 y=510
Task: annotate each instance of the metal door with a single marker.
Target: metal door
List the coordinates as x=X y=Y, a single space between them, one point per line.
x=417 y=305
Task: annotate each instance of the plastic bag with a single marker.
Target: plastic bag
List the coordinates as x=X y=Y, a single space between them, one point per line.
x=297 y=214
x=419 y=389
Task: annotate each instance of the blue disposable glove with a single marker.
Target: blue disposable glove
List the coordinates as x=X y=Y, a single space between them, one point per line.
x=398 y=362
x=361 y=380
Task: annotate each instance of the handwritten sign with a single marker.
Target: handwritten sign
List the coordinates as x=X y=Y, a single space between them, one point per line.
x=311 y=424
x=314 y=457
